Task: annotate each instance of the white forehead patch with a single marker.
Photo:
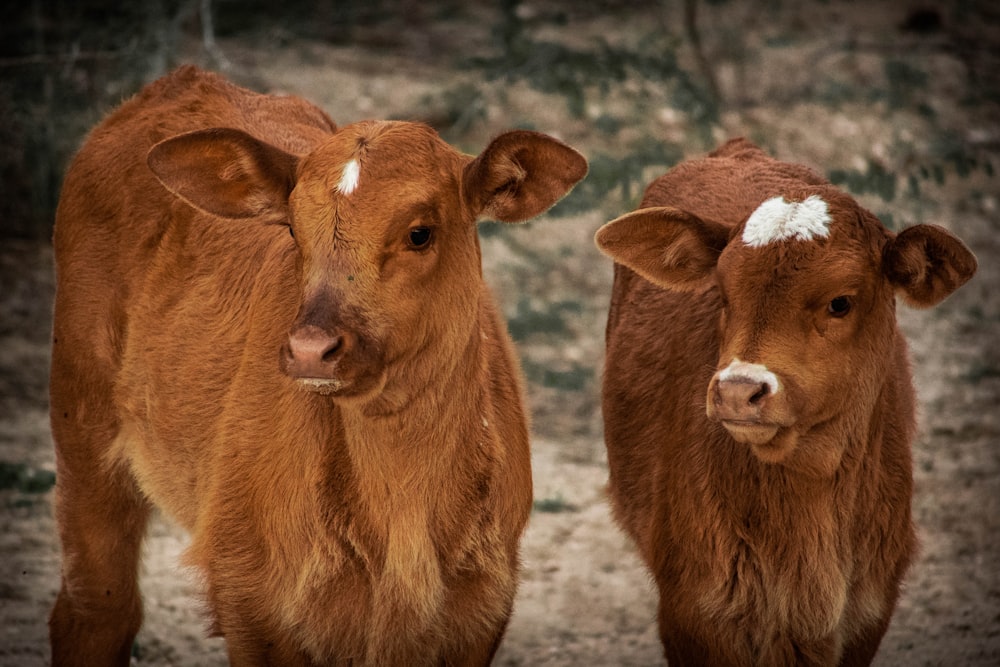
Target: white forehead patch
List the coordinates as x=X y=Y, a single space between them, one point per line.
x=758 y=373
x=780 y=220
x=349 y=178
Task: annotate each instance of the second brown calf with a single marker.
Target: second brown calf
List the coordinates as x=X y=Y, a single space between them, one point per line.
x=759 y=407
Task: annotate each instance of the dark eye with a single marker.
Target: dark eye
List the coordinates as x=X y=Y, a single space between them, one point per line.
x=420 y=237
x=839 y=306
x=291 y=232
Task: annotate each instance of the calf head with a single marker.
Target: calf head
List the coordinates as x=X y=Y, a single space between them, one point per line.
x=805 y=289
x=382 y=219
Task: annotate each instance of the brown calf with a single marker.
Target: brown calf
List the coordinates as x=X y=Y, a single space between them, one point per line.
x=759 y=407
x=277 y=331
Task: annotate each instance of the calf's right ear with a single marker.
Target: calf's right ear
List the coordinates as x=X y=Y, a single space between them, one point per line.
x=667 y=246
x=926 y=263
x=520 y=175
x=225 y=172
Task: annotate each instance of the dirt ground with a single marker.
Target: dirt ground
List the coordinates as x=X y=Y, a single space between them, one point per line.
x=896 y=112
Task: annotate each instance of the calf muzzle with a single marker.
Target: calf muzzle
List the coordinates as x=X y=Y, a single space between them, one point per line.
x=739 y=397
x=327 y=362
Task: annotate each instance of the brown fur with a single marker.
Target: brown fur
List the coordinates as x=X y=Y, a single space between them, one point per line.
x=336 y=418
x=778 y=536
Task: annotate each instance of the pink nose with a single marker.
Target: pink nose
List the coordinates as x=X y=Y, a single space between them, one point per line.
x=313 y=352
x=740 y=399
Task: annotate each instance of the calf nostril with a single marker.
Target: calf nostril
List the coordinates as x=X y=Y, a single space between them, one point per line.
x=738 y=395
x=762 y=391
x=334 y=348
x=311 y=344
x=743 y=393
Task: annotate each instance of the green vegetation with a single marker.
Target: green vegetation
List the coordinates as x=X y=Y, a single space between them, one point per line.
x=25 y=479
x=552 y=505
x=548 y=320
x=982 y=370
x=875 y=179
x=576 y=378
x=620 y=181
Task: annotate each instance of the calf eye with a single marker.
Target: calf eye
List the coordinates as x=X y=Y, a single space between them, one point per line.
x=291 y=232
x=839 y=307
x=420 y=237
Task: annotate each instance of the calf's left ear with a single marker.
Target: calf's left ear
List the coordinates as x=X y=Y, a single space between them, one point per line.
x=926 y=263
x=667 y=246
x=520 y=175
x=225 y=172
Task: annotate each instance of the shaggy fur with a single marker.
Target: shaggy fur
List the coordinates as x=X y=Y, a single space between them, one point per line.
x=759 y=410
x=311 y=379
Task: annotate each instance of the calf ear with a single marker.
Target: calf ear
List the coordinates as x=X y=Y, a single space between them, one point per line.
x=225 y=172
x=520 y=175
x=666 y=246
x=926 y=263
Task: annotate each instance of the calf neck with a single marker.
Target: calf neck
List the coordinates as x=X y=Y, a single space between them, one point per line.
x=759 y=407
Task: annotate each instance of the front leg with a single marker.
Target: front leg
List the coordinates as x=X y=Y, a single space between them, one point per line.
x=477 y=654
x=102 y=521
x=860 y=651
x=254 y=648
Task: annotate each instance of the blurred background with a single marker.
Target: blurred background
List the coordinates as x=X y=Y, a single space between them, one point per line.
x=897 y=101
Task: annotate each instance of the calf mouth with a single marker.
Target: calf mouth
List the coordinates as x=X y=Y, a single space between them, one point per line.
x=324 y=386
x=364 y=387
x=751 y=432
x=770 y=443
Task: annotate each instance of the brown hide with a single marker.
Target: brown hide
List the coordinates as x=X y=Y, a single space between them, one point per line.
x=297 y=360
x=759 y=407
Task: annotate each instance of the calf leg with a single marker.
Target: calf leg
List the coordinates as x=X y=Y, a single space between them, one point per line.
x=861 y=650
x=258 y=650
x=476 y=655
x=99 y=609
x=102 y=519
x=685 y=648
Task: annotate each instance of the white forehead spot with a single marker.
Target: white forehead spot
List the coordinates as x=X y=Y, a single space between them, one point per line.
x=779 y=220
x=738 y=371
x=349 y=177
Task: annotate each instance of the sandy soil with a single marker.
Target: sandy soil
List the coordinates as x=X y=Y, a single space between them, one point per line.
x=584 y=598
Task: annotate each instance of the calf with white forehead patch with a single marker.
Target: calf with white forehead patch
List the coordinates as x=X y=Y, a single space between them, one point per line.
x=277 y=331
x=759 y=407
